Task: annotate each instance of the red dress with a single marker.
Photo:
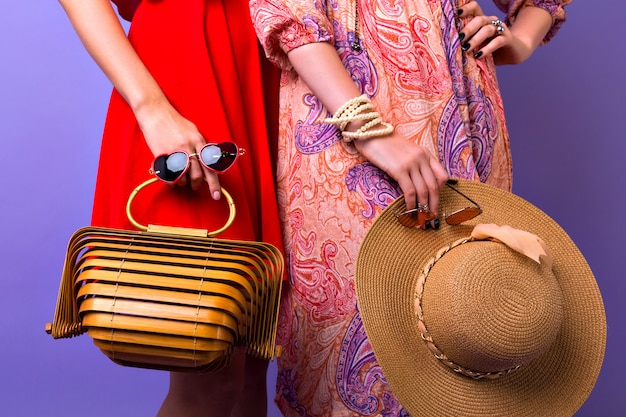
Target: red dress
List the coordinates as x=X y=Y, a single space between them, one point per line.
x=205 y=57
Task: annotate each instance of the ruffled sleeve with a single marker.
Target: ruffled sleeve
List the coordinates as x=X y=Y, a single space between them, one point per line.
x=126 y=8
x=554 y=7
x=282 y=26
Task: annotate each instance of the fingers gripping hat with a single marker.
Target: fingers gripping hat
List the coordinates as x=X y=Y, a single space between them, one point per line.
x=498 y=316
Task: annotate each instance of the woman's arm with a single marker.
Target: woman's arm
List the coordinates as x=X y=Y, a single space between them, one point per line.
x=419 y=174
x=529 y=30
x=165 y=130
x=99 y=29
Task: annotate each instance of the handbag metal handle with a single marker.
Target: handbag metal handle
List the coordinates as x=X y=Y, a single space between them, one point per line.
x=179 y=230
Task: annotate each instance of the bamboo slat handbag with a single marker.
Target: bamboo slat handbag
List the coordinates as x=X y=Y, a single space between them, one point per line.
x=169 y=298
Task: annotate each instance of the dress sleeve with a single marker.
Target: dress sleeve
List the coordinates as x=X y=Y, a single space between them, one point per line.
x=283 y=25
x=126 y=8
x=554 y=7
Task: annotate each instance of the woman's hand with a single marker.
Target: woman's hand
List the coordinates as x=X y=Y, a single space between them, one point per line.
x=166 y=131
x=419 y=174
x=482 y=37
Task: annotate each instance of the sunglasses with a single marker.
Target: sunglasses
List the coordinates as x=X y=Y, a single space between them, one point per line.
x=418 y=217
x=217 y=157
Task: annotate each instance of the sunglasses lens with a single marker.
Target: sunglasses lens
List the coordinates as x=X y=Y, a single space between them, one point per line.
x=414 y=218
x=170 y=167
x=219 y=157
x=463 y=215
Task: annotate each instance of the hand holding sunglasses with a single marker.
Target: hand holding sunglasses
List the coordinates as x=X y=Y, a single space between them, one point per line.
x=217 y=157
x=419 y=216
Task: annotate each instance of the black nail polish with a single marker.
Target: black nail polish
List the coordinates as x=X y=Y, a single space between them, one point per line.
x=427 y=225
x=466 y=46
x=478 y=54
x=436 y=221
x=461 y=36
x=459 y=12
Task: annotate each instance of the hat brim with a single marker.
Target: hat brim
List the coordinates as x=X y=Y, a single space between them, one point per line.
x=388 y=264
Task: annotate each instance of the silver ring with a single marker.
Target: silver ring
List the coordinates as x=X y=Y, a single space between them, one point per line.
x=422 y=207
x=499 y=28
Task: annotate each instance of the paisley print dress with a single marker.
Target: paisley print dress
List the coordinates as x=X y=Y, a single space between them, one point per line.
x=411 y=65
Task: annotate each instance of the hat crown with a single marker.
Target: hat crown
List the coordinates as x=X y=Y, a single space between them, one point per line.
x=489 y=308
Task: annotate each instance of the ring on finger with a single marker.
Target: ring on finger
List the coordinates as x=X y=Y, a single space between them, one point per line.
x=422 y=206
x=499 y=27
x=193 y=155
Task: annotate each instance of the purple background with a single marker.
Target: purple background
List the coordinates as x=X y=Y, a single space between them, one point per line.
x=566 y=116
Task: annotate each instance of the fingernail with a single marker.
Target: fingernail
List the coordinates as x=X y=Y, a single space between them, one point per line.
x=217 y=195
x=466 y=46
x=478 y=54
x=427 y=225
x=461 y=36
x=459 y=12
x=436 y=221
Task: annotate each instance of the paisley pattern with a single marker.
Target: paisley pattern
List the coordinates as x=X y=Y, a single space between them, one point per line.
x=357 y=372
x=412 y=67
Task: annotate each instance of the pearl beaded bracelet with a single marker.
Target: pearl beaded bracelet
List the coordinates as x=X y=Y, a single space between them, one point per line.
x=357 y=109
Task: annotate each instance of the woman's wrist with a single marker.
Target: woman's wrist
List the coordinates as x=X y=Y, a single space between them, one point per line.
x=356 y=119
x=147 y=105
x=529 y=29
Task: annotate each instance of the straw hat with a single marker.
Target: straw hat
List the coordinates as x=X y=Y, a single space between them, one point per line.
x=518 y=331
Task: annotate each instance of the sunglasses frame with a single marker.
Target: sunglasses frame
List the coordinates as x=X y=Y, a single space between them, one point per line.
x=429 y=215
x=239 y=151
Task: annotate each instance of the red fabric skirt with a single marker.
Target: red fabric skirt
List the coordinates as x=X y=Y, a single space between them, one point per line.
x=205 y=56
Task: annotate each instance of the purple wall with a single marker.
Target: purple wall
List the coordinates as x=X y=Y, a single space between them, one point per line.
x=566 y=117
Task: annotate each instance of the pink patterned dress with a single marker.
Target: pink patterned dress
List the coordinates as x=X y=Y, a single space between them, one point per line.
x=411 y=65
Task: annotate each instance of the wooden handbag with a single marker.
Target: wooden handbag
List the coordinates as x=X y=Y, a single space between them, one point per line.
x=169 y=298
